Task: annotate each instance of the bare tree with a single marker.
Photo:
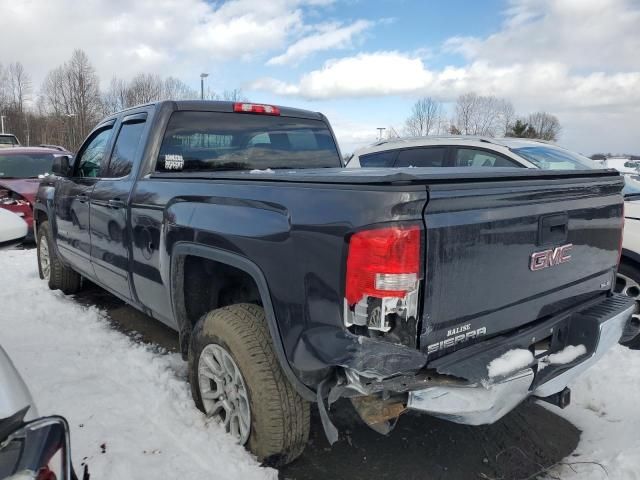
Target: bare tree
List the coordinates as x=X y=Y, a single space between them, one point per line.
x=4 y=88
x=115 y=98
x=508 y=117
x=390 y=133
x=72 y=91
x=19 y=85
x=425 y=118
x=85 y=92
x=175 y=89
x=144 y=88
x=545 y=125
x=234 y=95
x=480 y=115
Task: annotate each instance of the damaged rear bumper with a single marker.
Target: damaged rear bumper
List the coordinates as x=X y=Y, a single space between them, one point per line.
x=599 y=328
x=457 y=387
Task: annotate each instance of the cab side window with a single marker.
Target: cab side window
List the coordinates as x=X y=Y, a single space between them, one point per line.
x=472 y=157
x=92 y=155
x=125 y=149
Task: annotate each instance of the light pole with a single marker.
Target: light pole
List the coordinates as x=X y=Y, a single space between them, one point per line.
x=72 y=135
x=202 y=77
x=2 y=117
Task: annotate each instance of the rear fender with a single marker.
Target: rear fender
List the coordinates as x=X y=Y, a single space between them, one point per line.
x=183 y=249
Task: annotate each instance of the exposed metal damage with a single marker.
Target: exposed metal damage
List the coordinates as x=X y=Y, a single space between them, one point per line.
x=383 y=380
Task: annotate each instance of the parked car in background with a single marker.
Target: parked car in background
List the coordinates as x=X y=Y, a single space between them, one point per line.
x=31 y=447
x=8 y=140
x=21 y=169
x=13 y=229
x=466 y=151
x=628 y=279
x=55 y=147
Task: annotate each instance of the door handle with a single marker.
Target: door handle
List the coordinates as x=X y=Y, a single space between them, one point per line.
x=116 y=203
x=82 y=198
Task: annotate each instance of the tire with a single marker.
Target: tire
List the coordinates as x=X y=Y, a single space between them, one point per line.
x=279 y=417
x=58 y=276
x=628 y=283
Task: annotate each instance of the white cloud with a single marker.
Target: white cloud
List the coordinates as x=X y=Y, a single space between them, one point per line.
x=328 y=37
x=123 y=37
x=394 y=73
x=583 y=34
x=575 y=58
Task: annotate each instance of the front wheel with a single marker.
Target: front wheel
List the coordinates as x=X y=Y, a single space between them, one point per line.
x=235 y=377
x=50 y=268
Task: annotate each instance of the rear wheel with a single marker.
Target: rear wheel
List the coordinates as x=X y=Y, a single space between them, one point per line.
x=235 y=377
x=50 y=268
x=628 y=283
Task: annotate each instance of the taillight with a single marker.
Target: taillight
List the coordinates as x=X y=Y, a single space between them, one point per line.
x=255 y=108
x=383 y=263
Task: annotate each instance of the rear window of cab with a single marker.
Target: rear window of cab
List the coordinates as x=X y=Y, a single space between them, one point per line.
x=216 y=141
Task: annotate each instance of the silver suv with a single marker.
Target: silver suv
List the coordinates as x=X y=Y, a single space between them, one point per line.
x=465 y=151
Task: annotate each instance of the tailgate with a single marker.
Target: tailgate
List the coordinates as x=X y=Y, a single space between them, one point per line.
x=503 y=254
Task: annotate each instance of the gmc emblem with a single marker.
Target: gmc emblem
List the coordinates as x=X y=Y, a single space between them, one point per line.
x=549 y=258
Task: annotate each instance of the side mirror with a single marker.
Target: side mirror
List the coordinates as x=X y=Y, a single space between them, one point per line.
x=61 y=165
x=37 y=450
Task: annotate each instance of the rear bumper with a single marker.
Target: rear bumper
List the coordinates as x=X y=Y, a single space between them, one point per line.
x=599 y=328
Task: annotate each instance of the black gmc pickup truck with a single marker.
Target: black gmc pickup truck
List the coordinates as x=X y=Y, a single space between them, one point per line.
x=291 y=280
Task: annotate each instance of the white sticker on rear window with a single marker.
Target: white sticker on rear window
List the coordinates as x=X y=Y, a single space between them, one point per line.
x=173 y=162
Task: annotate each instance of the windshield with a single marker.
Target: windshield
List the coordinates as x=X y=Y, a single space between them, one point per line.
x=631 y=186
x=7 y=140
x=207 y=141
x=551 y=158
x=25 y=165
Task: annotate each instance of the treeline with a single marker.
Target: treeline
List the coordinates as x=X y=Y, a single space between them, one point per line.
x=478 y=115
x=69 y=103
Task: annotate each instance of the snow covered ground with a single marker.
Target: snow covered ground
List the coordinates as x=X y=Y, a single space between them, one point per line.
x=606 y=407
x=115 y=393
x=136 y=402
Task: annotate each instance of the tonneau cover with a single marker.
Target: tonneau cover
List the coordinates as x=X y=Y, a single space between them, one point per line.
x=392 y=175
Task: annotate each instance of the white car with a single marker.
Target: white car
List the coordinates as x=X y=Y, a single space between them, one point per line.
x=13 y=229
x=465 y=151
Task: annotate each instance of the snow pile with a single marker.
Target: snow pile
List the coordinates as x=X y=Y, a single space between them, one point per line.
x=258 y=171
x=510 y=362
x=604 y=405
x=566 y=355
x=130 y=408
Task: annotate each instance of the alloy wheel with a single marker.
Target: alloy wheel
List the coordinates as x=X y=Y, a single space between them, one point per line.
x=45 y=260
x=629 y=287
x=223 y=391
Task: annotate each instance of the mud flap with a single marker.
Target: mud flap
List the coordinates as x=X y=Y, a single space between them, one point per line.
x=327 y=385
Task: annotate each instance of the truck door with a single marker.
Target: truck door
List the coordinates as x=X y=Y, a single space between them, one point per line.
x=110 y=236
x=72 y=200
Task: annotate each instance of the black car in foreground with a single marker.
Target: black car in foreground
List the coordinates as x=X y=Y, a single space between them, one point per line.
x=456 y=292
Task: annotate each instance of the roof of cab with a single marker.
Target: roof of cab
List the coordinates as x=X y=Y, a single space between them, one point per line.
x=220 y=106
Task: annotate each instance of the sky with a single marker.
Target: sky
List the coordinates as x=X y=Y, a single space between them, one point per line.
x=362 y=63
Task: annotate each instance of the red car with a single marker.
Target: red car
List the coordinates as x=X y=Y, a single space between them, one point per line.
x=21 y=169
